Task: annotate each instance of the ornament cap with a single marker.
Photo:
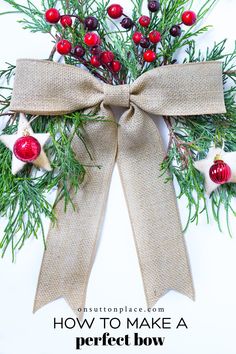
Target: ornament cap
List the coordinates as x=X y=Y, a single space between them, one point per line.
x=218 y=157
x=25 y=132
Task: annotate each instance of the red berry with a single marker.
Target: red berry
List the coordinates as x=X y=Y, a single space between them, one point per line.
x=107 y=57
x=96 y=50
x=91 y=39
x=153 y=6
x=175 y=31
x=52 y=15
x=91 y=23
x=66 y=21
x=144 y=21
x=27 y=148
x=149 y=56
x=137 y=36
x=189 y=18
x=144 y=43
x=220 y=172
x=127 y=23
x=79 y=51
x=115 y=11
x=155 y=36
x=116 y=66
x=95 y=61
x=64 y=47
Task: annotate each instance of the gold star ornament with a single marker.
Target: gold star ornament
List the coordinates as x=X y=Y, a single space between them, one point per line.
x=219 y=167
x=26 y=147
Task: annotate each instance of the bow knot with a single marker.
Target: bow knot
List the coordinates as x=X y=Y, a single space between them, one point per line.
x=117 y=95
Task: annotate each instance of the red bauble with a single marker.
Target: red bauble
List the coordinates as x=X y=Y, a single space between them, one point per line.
x=155 y=36
x=144 y=21
x=189 y=18
x=137 y=36
x=149 y=56
x=66 y=21
x=116 y=66
x=91 y=39
x=220 y=172
x=52 y=15
x=115 y=11
x=27 y=148
x=107 y=57
x=95 y=61
x=64 y=47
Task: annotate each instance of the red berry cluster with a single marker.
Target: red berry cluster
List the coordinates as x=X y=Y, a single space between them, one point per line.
x=115 y=11
x=92 y=40
x=53 y=16
x=189 y=18
x=99 y=57
x=154 y=37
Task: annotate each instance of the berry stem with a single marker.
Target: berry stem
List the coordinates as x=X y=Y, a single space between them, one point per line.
x=53 y=51
x=184 y=153
x=87 y=65
x=6 y=114
x=76 y=16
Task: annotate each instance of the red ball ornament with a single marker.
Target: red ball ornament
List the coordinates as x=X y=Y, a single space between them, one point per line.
x=149 y=56
x=27 y=148
x=116 y=66
x=107 y=57
x=137 y=36
x=155 y=36
x=115 y=11
x=189 y=18
x=91 y=39
x=52 y=15
x=144 y=21
x=220 y=172
x=95 y=61
x=66 y=21
x=64 y=47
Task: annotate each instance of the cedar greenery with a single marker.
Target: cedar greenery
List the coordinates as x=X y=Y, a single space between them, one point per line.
x=24 y=197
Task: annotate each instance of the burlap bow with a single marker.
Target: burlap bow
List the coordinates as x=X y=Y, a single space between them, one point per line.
x=42 y=87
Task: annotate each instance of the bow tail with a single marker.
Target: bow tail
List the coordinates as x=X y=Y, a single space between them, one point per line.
x=152 y=208
x=71 y=245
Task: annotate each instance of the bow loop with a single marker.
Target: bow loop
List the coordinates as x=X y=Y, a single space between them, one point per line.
x=117 y=95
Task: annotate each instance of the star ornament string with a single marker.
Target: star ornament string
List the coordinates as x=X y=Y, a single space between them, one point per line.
x=27 y=146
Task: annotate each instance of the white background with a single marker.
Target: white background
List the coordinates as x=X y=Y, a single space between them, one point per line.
x=115 y=279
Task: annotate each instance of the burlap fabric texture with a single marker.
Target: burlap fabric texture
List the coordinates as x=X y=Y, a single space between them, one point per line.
x=43 y=87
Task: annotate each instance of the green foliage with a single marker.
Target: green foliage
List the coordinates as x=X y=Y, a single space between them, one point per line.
x=24 y=196
x=191 y=138
x=23 y=199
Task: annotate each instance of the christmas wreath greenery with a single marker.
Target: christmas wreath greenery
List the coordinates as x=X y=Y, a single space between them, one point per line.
x=117 y=49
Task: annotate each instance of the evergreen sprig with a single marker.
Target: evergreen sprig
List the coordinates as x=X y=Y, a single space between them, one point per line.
x=24 y=197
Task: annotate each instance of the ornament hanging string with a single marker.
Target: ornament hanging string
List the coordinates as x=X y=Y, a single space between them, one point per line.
x=137 y=147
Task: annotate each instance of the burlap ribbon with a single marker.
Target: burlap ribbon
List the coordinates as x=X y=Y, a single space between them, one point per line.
x=42 y=87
